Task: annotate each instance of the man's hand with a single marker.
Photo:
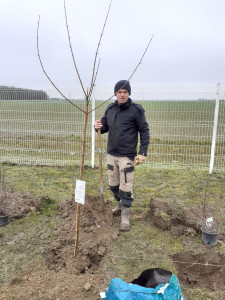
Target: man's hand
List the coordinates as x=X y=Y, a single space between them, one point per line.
x=140 y=159
x=98 y=124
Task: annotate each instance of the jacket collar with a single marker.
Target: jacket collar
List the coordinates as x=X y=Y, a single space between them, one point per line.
x=124 y=105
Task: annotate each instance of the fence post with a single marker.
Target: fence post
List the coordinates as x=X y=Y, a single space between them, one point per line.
x=92 y=128
x=216 y=114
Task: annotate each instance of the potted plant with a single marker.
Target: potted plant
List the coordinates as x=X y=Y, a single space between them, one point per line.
x=210 y=222
x=4 y=218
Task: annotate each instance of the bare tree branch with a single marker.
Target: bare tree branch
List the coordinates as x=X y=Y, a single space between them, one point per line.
x=93 y=84
x=48 y=75
x=96 y=54
x=140 y=61
x=71 y=49
x=96 y=72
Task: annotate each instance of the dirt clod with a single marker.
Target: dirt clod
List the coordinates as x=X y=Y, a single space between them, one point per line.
x=87 y=286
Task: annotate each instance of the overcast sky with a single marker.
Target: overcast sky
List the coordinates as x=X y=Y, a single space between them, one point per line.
x=188 y=45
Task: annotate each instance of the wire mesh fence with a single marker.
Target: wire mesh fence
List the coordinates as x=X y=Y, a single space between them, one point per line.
x=39 y=127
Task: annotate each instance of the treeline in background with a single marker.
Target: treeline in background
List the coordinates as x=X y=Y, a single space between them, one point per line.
x=13 y=93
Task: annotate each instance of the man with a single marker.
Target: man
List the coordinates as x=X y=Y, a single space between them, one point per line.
x=123 y=120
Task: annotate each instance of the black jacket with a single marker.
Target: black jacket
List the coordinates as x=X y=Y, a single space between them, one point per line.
x=123 y=122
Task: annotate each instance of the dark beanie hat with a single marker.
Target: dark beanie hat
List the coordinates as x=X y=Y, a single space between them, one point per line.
x=124 y=84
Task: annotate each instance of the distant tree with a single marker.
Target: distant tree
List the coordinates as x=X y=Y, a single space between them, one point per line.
x=13 y=93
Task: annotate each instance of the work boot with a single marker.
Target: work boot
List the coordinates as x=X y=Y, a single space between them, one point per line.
x=125 y=218
x=116 y=210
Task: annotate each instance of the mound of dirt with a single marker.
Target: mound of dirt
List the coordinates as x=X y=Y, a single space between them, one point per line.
x=95 y=237
x=201 y=270
x=66 y=276
x=175 y=219
x=18 y=205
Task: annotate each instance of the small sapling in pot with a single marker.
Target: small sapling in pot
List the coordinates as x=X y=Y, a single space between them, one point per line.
x=211 y=222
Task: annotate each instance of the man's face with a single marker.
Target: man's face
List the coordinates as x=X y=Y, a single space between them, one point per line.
x=122 y=96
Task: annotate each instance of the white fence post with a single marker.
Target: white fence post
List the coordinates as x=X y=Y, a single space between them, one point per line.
x=216 y=114
x=92 y=128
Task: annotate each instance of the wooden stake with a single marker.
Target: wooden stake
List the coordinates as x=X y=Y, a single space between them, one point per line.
x=102 y=202
x=77 y=229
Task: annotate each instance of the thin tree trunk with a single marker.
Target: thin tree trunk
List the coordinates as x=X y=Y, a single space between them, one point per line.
x=81 y=176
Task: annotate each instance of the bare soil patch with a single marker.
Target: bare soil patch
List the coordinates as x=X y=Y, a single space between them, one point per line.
x=95 y=238
x=201 y=270
x=179 y=221
x=18 y=205
x=194 y=269
x=66 y=276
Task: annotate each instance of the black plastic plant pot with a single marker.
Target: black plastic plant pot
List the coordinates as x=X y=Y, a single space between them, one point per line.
x=4 y=220
x=209 y=238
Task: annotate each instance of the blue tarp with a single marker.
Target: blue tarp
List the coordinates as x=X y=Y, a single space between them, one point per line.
x=120 y=290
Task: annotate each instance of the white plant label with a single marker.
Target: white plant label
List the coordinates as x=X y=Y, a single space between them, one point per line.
x=209 y=222
x=80 y=191
x=102 y=295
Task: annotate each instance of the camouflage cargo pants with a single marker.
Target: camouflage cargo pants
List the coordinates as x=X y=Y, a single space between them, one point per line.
x=121 y=176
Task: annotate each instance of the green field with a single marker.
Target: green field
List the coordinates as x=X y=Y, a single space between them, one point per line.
x=50 y=133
